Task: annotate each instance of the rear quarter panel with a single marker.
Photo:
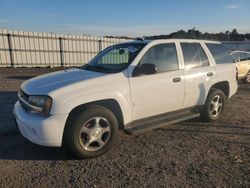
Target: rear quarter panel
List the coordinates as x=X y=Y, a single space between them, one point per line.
x=224 y=72
x=227 y=72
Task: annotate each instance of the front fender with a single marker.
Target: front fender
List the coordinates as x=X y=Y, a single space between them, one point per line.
x=64 y=105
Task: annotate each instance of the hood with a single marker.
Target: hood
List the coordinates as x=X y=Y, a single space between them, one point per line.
x=47 y=83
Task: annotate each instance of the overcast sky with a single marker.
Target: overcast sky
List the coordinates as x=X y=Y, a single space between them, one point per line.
x=127 y=17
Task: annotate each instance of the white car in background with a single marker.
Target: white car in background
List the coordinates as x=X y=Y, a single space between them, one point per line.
x=134 y=86
x=242 y=60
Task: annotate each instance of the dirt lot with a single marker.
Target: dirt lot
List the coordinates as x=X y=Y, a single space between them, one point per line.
x=190 y=154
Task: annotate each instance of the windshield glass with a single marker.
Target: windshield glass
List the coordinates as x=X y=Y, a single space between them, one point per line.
x=115 y=58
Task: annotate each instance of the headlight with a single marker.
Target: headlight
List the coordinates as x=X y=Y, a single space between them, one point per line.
x=40 y=104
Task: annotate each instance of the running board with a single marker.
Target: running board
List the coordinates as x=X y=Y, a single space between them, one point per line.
x=147 y=124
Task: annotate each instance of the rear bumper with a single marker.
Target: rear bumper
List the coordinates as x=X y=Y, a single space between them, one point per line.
x=45 y=131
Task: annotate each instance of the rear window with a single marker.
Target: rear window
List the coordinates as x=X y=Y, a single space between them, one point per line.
x=220 y=53
x=243 y=56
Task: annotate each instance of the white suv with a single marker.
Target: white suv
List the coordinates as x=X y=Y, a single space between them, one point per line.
x=133 y=87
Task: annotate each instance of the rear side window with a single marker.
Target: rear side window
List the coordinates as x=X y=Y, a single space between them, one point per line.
x=243 y=56
x=220 y=53
x=235 y=57
x=194 y=55
x=203 y=56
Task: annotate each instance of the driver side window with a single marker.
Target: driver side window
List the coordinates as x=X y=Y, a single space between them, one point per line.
x=163 y=56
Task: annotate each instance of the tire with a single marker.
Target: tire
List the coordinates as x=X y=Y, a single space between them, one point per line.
x=247 y=79
x=214 y=106
x=90 y=133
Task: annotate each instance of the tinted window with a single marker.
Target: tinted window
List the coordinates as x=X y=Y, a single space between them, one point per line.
x=164 y=56
x=203 y=56
x=194 y=55
x=243 y=56
x=220 y=53
x=235 y=56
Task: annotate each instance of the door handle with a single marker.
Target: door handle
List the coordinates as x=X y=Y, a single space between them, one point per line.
x=210 y=74
x=178 y=79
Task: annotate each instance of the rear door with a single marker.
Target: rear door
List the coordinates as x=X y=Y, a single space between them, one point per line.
x=225 y=68
x=199 y=74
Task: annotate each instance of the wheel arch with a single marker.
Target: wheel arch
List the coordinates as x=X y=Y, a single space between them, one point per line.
x=110 y=104
x=223 y=86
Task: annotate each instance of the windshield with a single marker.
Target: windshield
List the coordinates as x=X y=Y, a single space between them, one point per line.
x=115 y=58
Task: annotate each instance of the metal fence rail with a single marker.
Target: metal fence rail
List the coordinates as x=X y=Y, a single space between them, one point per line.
x=30 y=49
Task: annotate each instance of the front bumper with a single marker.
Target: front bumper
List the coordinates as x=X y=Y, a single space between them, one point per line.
x=45 y=131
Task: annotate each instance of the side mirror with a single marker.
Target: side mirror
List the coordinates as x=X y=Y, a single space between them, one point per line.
x=145 y=69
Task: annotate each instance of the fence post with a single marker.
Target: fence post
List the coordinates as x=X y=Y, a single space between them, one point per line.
x=61 y=51
x=10 y=50
x=100 y=45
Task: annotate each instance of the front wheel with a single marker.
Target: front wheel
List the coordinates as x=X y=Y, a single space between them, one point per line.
x=91 y=133
x=214 y=105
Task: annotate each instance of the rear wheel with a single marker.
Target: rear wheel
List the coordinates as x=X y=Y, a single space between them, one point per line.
x=91 y=133
x=247 y=79
x=214 y=105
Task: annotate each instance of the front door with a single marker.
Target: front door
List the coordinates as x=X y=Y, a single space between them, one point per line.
x=161 y=92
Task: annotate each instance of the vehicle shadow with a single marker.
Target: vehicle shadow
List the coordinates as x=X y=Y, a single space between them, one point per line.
x=7 y=101
x=244 y=86
x=12 y=145
x=208 y=131
x=15 y=147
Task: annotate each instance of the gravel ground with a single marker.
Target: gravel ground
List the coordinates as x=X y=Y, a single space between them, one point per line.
x=189 y=154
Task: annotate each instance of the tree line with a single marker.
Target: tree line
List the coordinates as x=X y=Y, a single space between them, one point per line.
x=196 y=34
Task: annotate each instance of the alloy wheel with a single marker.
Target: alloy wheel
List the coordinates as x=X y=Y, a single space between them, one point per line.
x=216 y=106
x=95 y=134
x=248 y=77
